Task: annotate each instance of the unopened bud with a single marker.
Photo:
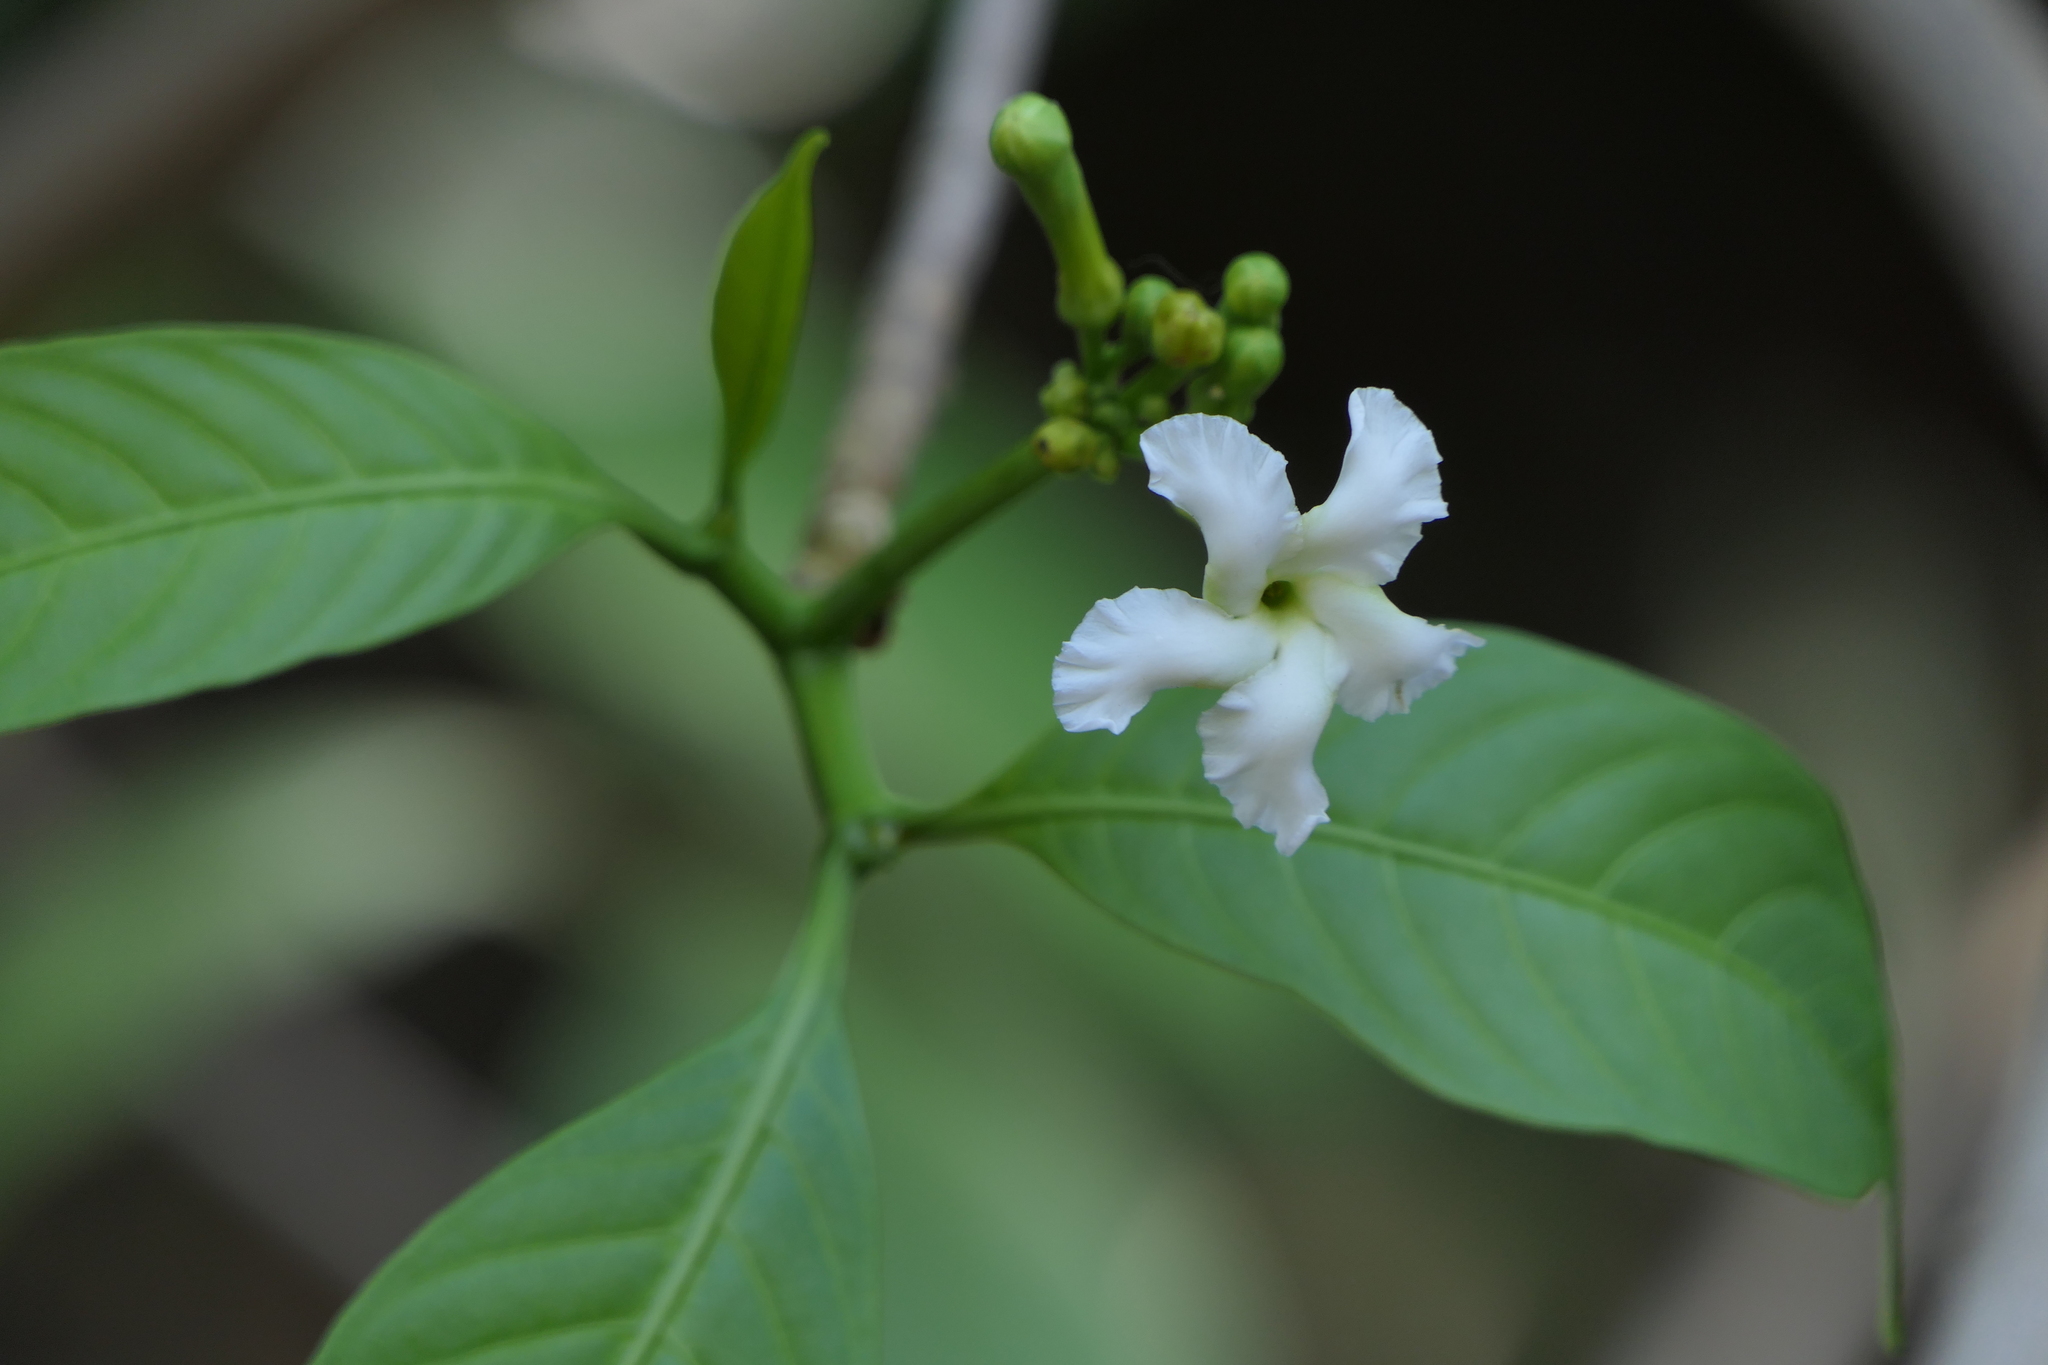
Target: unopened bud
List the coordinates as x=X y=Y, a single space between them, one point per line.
x=1186 y=331
x=1252 y=357
x=1106 y=466
x=1152 y=408
x=1143 y=300
x=1064 y=445
x=1030 y=137
x=1255 y=289
x=1033 y=145
x=1066 y=393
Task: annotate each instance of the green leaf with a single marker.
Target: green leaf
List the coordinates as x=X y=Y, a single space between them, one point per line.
x=723 y=1212
x=1558 y=891
x=187 y=508
x=759 y=306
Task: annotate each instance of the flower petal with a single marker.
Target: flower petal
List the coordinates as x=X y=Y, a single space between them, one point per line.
x=1259 y=740
x=1392 y=657
x=1389 y=486
x=1127 y=649
x=1235 y=487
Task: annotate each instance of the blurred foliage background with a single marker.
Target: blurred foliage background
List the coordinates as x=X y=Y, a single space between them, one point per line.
x=283 y=968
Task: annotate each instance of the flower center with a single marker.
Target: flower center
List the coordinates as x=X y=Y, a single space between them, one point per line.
x=1278 y=594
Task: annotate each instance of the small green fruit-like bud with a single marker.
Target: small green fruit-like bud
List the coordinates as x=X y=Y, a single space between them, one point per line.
x=1186 y=331
x=1143 y=300
x=1150 y=409
x=1066 y=393
x=1106 y=465
x=1030 y=137
x=1255 y=289
x=1252 y=357
x=1109 y=414
x=1065 y=445
x=1034 y=147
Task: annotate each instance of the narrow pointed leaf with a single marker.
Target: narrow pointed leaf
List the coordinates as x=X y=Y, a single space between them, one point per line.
x=723 y=1212
x=184 y=508
x=759 y=306
x=1558 y=891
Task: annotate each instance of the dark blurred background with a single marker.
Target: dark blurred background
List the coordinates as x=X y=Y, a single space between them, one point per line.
x=284 y=967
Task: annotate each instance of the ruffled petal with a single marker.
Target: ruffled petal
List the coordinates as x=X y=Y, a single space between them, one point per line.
x=1235 y=487
x=1259 y=740
x=1129 y=648
x=1389 y=486
x=1391 y=657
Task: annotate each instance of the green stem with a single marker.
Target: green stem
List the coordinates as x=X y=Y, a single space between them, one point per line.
x=1154 y=379
x=809 y=986
x=857 y=599
x=849 y=789
x=1099 y=360
x=754 y=589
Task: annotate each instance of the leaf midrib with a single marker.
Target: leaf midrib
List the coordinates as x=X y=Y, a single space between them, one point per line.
x=445 y=484
x=792 y=1031
x=992 y=817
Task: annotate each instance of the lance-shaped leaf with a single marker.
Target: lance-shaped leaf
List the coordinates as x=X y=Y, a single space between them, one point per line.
x=184 y=508
x=723 y=1212
x=759 y=306
x=1558 y=891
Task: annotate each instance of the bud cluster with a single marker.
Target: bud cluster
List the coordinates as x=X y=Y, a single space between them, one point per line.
x=1139 y=344
x=1034 y=147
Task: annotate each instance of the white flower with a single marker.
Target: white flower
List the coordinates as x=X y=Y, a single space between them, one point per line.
x=1291 y=618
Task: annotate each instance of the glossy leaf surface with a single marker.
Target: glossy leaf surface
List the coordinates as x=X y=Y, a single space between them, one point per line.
x=759 y=305
x=185 y=508
x=619 y=1241
x=1559 y=891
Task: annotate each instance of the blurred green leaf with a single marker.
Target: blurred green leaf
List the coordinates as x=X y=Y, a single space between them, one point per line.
x=724 y=1211
x=186 y=508
x=759 y=307
x=296 y=854
x=1559 y=891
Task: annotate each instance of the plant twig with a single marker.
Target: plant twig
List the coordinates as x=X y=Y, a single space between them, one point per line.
x=756 y=591
x=844 y=613
x=1960 y=88
x=932 y=262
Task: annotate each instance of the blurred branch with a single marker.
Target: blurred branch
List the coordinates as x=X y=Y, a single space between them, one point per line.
x=115 y=106
x=1996 y=1309
x=1992 y=1310
x=1961 y=89
x=937 y=249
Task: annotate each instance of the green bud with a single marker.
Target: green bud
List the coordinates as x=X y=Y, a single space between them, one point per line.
x=1252 y=357
x=1150 y=410
x=1186 y=331
x=1064 y=445
x=1255 y=289
x=1109 y=414
x=1066 y=393
x=1030 y=137
x=1033 y=145
x=1143 y=300
x=1107 y=465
